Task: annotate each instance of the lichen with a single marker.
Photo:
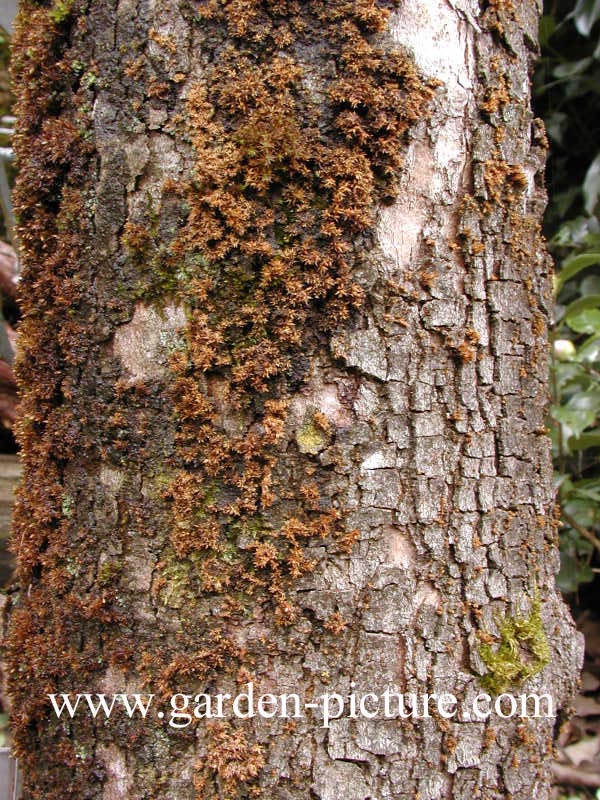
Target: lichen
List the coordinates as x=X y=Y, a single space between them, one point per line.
x=520 y=651
x=175 y=588
x=314 y=435
x=67 y=505
x=110 y=571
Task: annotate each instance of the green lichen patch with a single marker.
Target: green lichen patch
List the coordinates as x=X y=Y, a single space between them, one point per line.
x=520 y=652
x=314 y=435
x=67 y=505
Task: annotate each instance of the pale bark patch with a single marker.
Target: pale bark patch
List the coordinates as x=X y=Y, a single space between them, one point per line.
x=143 y=344
x=340 y=780
x=323 y=397
x=441 y=42
x=401 y=224
x=118 y=781
x=401 y=550
x=114 y=682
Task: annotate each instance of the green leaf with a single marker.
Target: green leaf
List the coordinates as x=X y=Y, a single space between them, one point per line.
x=585 y=321
x=585 y=514
x=587 y=494
x=569 y=69
x=574 y=265
x=575 y=232
x=571 y=377
x=564 y=483
x=589 y=285
x=546 y=28
x=591 y=185
x=589 y=352
x=585 y=440
x=572 y=573
x=556 y=125
x=575 y=421
x=588 y=400
x=585 y=14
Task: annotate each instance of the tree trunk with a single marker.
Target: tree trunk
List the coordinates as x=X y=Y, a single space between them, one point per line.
x=284 y=370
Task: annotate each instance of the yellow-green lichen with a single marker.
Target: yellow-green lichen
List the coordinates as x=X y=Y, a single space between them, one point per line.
x=67 y=506
x=314 y=435
x=521 y=652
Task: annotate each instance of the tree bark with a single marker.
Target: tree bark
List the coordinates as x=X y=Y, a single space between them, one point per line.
x=284 y=374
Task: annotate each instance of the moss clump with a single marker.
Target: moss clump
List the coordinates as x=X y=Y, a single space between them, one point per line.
x=232 y=757
x=175 y=583
x=521 y=653
x=109 y=571
x=61 y=10
x=286 y=184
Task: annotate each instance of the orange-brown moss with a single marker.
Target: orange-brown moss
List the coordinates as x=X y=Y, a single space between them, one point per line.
x=236 y=761
x=504 y=182
x=283 y=187
x=54 y=153
x=284 y=192
x=272 y=227
x=497 y=95
x=498 y=15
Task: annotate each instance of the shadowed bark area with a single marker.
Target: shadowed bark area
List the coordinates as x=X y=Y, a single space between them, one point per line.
x=284 y=390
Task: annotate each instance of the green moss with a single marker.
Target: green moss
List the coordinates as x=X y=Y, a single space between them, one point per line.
x=160 y=483
x=229 y=553
x=109 y=571
x=521 y=653
x=176 y=591
x=73 y=567
x=81 y=751
x=61 y=10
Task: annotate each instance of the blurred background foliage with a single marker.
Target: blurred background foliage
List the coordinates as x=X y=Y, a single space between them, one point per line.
x=567 y=97
x=6 y=98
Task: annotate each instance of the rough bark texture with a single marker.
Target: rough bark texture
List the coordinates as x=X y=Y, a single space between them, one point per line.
x=285 y=378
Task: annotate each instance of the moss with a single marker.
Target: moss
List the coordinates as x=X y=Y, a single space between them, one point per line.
x=109 y=571
x=73 y=567
x=176 y=589
x=521 y=651
x=235 y=760
x=61 y=11
x=282 y=189
x=261 y=245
